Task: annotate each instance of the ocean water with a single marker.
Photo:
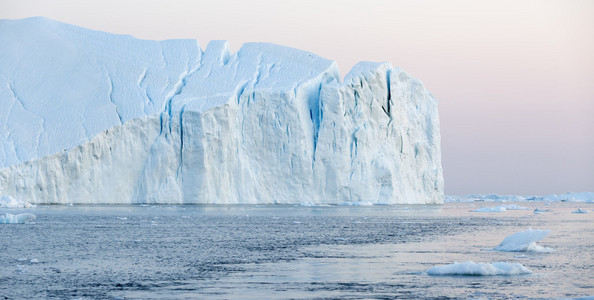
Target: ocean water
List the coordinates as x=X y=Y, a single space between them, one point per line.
x=280 y=252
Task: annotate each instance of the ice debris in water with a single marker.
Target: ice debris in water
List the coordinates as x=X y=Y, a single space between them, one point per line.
x=580 y=211
x=524 y=241
x=11 y=202
x=500 y=208
x=16 y=219
x=356 y=203
x=470 y=268
x=311 y=204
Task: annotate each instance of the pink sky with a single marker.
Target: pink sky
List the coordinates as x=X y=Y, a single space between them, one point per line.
x=515 y=79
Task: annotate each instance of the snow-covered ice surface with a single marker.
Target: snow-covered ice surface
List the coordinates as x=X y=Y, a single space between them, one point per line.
x=288 y=252
x=16 y=219
x=94 y=117
x=524 y=241
x=470 y=268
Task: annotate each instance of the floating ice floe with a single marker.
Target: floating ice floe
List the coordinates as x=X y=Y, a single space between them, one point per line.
x=16 y=219
x=501 y=208
x=524 y=241
x=580 y=211
x=11 y=202
x=470 y=268
x=491 y=209
x=540 y=210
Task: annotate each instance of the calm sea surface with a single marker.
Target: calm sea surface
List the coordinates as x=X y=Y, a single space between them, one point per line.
x=269 y=252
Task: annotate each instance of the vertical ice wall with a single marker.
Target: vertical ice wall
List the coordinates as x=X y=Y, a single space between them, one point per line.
x=268 y=124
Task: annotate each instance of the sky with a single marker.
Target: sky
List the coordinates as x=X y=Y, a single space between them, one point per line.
x=514 y=79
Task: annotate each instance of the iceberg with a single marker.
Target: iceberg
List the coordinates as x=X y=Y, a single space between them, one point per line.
x=524 y=241
x=470 y=268
x=500 y=208
x=99 y=118
x=491 y=209
x=16 y=219
x=585 y=197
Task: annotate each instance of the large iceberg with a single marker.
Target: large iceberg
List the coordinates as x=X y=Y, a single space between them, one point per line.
x=94 y=117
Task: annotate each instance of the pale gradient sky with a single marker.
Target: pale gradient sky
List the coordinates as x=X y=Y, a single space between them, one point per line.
x=515 y=79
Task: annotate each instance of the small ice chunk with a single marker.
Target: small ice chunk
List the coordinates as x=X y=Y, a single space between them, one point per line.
x=515 y=207
x=524 y=241
x=34 y=261
x=11 y=202
x=357 y=203
x=311 y=204
x=470 y=268
x=539 y=210
x=580 y=211
x=16 y=219
x=500 y=208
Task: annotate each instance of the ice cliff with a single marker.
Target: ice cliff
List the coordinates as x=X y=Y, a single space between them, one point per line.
x=94 y=117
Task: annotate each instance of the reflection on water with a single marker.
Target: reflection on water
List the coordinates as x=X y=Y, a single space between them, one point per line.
x=288 y=252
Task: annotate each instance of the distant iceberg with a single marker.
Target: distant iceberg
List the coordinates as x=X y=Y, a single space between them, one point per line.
x=501 y=208
x=586 y=197
x=470 y=268
x=524 y=241
x=16 y=219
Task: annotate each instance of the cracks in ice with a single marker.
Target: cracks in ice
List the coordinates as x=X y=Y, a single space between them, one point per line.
x=178 y=88
x=262 y=72
x=318 y=120
x=389 y=96
x=354 y=144
x=181 y=138
x=18 y=99
x=141 y=83
x=111 y=98
x=110 y=94
x=163 y=57
x=240 y=90
x=191 y=68
x=11 y=107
